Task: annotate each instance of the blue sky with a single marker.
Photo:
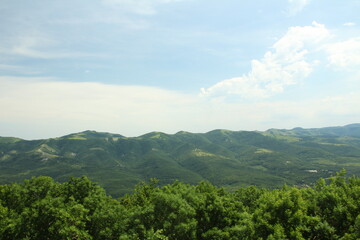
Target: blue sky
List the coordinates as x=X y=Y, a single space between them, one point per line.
x=135 y=66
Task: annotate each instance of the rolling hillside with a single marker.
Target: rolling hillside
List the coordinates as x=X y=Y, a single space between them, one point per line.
x=225 y=158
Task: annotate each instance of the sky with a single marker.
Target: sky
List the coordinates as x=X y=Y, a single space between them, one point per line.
x=135 y=66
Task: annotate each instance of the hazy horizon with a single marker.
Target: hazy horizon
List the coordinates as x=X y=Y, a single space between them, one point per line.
x=172 y=133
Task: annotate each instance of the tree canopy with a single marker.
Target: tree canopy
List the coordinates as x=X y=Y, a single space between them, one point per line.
x=41 y=208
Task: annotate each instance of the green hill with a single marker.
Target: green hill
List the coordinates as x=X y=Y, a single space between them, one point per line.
x=225 y=158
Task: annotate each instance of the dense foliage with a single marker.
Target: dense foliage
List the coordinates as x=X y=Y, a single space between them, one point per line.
x=41 y=208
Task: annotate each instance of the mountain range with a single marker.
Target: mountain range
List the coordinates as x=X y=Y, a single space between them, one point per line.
x=225 y=158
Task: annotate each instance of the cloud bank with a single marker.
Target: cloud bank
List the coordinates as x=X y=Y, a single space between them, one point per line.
x=42 y=108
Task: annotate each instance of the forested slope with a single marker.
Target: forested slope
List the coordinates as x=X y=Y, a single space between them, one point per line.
x=225 y=158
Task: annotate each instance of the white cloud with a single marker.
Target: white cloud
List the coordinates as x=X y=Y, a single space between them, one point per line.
x=345 y=54
x=286 y=64
x=35 y=45
x=296 y=6
x=41 y=108
x=349 y=24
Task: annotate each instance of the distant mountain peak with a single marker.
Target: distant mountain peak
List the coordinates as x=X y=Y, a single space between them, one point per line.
x=350 y=130
x=88 y=134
